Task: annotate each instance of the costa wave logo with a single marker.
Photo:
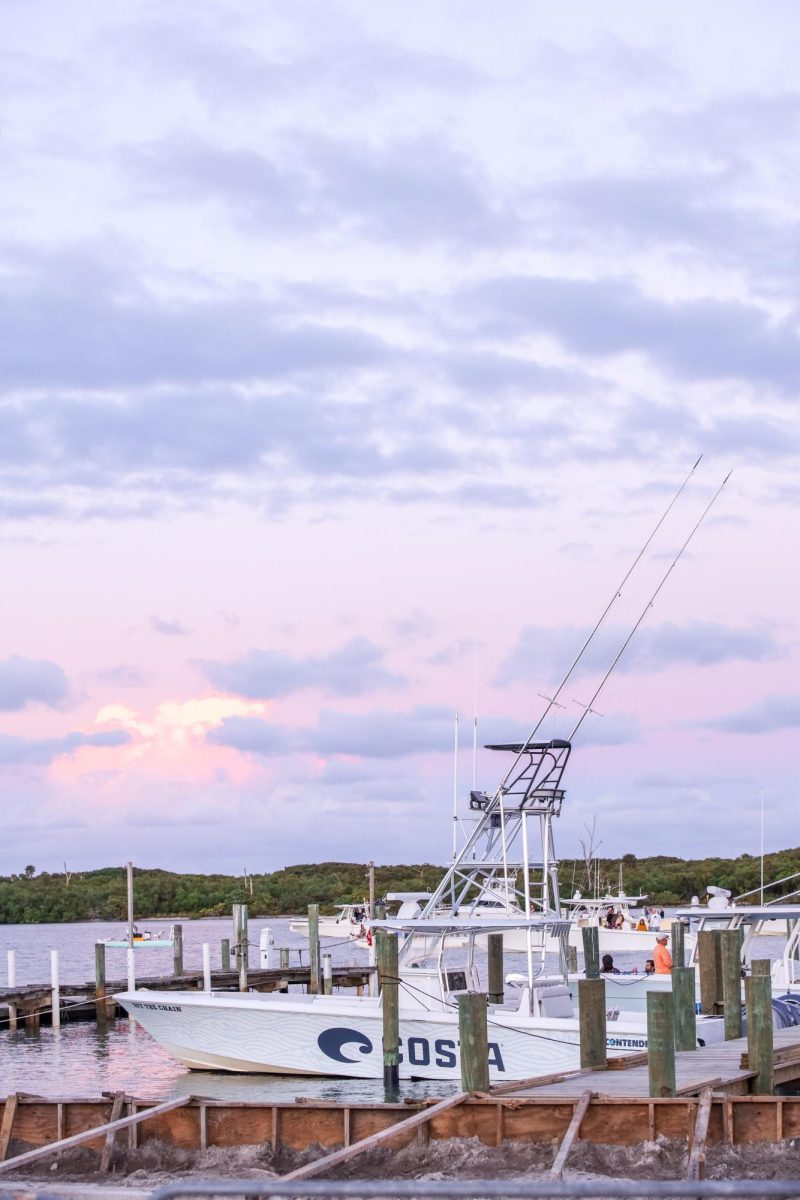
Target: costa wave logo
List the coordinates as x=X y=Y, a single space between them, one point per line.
x=332 y=1041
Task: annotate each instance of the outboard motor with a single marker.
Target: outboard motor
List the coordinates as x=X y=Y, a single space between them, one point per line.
x=785 y=1013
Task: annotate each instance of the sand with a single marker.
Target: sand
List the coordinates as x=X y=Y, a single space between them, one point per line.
x=154 y=1165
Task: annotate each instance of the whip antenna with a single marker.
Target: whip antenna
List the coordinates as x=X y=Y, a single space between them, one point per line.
x=648 y=606
x=552 y=700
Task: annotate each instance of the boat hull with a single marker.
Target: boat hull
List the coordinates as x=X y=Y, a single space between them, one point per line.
x=323 y=1035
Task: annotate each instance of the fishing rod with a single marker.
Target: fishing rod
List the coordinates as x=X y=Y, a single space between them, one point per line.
x=552 y=701
x=587 y=708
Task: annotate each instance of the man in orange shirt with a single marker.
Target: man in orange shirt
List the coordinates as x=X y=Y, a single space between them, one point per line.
x=662 y=956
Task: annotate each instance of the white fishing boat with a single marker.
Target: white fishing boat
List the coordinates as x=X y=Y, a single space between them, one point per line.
x=536 y=1032
x=350 y=921
x=620 y=930
x=630 y=991
x=337 y=1035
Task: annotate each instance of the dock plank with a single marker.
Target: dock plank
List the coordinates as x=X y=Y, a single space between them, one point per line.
x=718 y=1066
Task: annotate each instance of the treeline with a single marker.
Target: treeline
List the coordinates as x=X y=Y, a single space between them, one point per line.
x=32 y=897
x=102 y=896
x=668 y=880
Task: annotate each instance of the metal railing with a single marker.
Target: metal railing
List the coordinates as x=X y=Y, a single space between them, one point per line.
x=490 y=1189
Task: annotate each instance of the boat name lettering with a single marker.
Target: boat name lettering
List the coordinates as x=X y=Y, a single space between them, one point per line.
x=158 y=1007
x=627 y=1043
x=444 y=1053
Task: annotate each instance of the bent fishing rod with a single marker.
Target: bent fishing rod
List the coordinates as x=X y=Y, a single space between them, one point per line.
x=552 y=701
x=588 y=707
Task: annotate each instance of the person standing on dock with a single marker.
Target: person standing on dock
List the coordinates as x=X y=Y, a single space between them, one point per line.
x=661 y=955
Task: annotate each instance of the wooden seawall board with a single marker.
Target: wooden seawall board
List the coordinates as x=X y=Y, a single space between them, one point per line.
x=202 y=1123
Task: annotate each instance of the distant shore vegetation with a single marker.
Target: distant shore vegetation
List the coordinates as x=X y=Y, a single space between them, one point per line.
x=33 y=897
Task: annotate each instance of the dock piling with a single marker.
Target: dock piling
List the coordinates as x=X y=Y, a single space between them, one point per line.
x=101 y=1009
x=709 y=958
x=206 y=967
x=758 y=996
x=387 y=955
x=313 y=947
x=678 y=931
x=55 y=991
x=572 y=959
x=11 y=966
x=761 y=966
x=591 y=951
x=592 y=1022
x=495 y=952
x=474 y=1037
x=266 y=943
x=177 y=949
x=327 y=975
x=661 y=1044
x=240 y=944
x=225 y=954
x=683 y=995
x=730 y=942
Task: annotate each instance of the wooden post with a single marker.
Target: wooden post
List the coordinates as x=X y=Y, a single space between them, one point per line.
x=758 y=994
x=225 y=954
x=661 y=1044
x=11 y=961
x=313 y=947
x=761 y=966
x=240 y=943
x=591 y=951
x=327 y=975
x=177 y=949
x=371 y=873
x=108 y=1149
x=100 y=1007
x=129 y=874
x=683 y=995
x=388 y=983
x=9 y=1112
x=206 y=967
x=731 y=962
x=678 y=931
x=709 y=962
x=696 y=1168
x=557 y=1169
x=495 y=952
x=572 y=959
x=592 y=1023
x=55 y=990
x=474 y=1037
x=284 y=953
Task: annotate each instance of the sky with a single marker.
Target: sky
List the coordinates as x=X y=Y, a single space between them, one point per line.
x=350 y=354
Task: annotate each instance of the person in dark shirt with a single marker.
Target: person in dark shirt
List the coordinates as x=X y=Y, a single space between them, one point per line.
x=608 y=965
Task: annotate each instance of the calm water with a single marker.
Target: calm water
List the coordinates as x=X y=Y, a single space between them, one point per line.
x=83 y=1059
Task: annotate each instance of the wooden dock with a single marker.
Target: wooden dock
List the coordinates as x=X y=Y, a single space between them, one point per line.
x=718 y=1067
x=31 y=1002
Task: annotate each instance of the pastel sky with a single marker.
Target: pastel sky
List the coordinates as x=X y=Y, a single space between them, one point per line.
x=349 y=354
